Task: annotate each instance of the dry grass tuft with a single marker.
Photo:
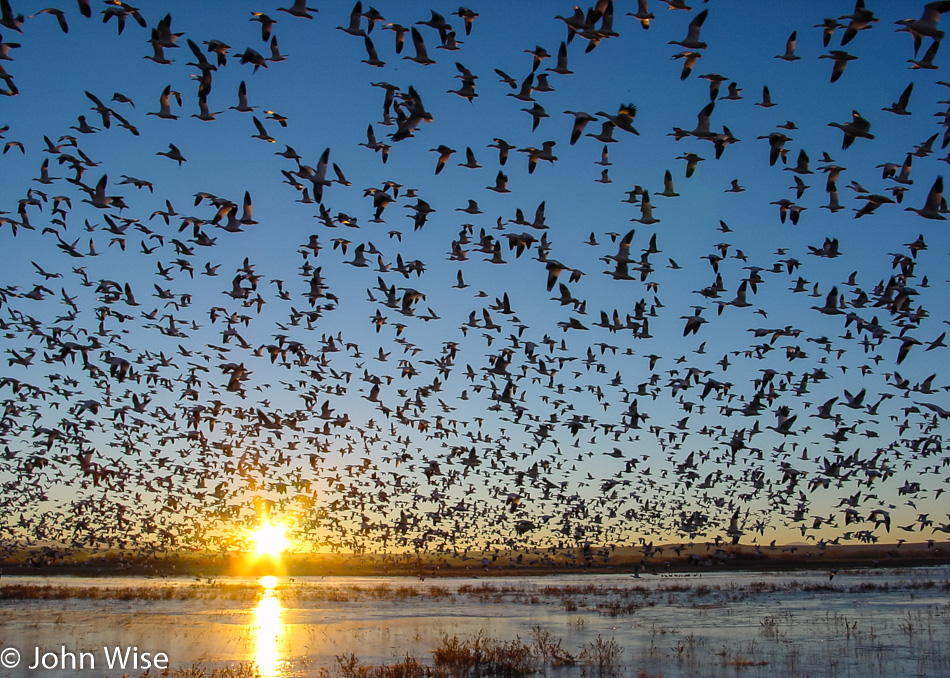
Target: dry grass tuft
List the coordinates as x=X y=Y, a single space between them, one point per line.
x=482 y=656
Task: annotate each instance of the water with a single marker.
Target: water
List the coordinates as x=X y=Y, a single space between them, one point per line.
x=880 y=622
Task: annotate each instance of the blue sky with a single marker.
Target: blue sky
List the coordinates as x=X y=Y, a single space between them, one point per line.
x=536 y=482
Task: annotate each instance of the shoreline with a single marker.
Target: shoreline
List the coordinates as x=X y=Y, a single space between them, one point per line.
x=673 y=559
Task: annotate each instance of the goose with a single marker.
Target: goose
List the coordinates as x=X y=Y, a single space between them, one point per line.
x=98 y=197
x=524 y=93
x=702 y=130
x=444 y=154
x=416 y=116
x=904 y=176
x=926 y=25
x=359 y=260
x=841 y=59
x=692 y=161
x=44 y=177
x=261 y=132
x=734 y=187
x=536 y=112
x=692 y=41
x=858 y=127
x=800 y=187
x=374 y=145
x=220 y=49
x=503 y=149
x=450 y=44
x=561 y=66
x=733 y=93
x=8 y=19
x=372 y=17
x=438 y=22
x=580 y=122
x=623 y=118
x=766 y=98
x=689 y=60
x=831 y=308
x=421 y=55
x=468 y=18
x=927 y=62
x=163 y=33
x=58 y=13
x=539 y=54
x=354 y=28
x=542 y=84
x=84 y=127
x=801 y=165
x=646 y=210
x=606 y=134
x=861 y=20
x=467 y=89
x=933 y=207
x=266 y=24
x=400 y=35
x=790 y=44
x=470 y=161
x=318 y=176
x=924 y=149
x=202 y=63
x=173 y=153
x=164 y=111
x=668 y=190
x=643 y=14
x=693 y=322
x=275 y=55
x=899 y=107
x=501 y=183
x=907 y=342
x=299 y=9
x=507 y=79
x=470 y=208
x=874 y=201
x=251 y=56
x=575 y=23
x=715 y=84
x=721 y=140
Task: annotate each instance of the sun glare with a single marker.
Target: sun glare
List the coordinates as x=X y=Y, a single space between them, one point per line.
x=270 y=540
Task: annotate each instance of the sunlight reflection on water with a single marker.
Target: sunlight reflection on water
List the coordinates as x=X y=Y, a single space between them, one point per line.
x=268 y=629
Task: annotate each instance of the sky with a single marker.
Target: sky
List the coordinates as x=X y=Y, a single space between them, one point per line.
x=741 y=358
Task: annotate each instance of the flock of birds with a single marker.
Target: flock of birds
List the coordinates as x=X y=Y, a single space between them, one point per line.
x=174 y=372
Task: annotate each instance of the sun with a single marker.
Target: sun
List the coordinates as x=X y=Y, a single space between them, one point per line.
x=270 y=540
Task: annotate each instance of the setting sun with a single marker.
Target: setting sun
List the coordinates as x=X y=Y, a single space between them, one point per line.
x=270 y=540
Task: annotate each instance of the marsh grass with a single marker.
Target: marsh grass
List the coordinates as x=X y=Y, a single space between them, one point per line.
x=409 y=667
x=548 y=648
x=769 y=627
x=148 y=593
x=242 y=670
x=480 y=655
x=603 y=657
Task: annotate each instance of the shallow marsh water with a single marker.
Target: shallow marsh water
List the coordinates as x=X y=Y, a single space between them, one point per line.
x=864 y=622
